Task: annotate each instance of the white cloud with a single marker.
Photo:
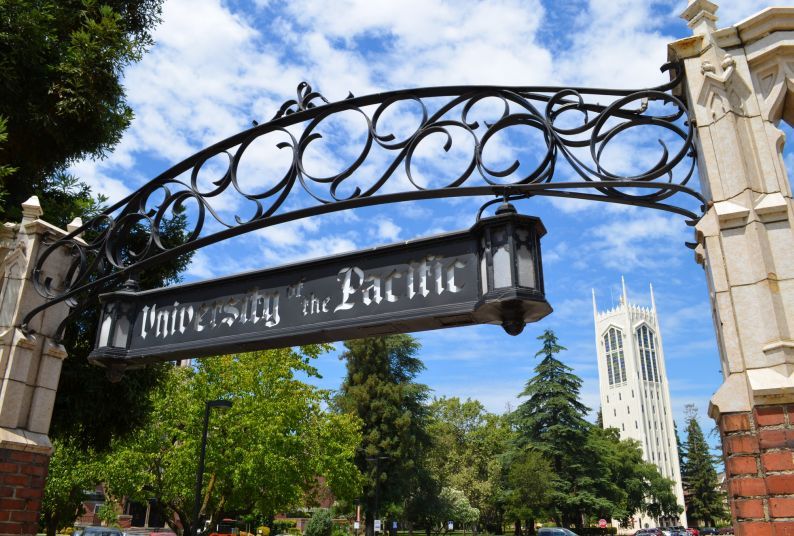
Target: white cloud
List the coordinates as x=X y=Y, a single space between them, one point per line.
x=386 y=229
x=634 y=243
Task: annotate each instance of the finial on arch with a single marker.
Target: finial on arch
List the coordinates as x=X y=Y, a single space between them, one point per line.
x=700 y=16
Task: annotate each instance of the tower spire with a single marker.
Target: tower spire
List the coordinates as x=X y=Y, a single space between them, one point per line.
x=595 y=308
x=625 y=295
x=653 y=301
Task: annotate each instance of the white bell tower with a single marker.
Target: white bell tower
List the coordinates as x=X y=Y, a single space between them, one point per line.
x=635 y=396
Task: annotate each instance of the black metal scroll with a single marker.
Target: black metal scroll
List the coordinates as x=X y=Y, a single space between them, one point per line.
x=573 y=128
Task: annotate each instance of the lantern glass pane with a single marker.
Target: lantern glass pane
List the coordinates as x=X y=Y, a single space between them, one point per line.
x=500 y=248
x=526 y=259
x=104 y=331
x=483 y=266
x=121 y=332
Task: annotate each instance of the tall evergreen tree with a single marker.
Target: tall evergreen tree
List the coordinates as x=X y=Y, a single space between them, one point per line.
x=704 y=500
x=680 y=447
x=379 y=388
x=552 y=421
x=61 y=64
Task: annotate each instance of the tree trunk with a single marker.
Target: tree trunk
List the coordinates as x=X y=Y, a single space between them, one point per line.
x=530 y=525
x=517 y=527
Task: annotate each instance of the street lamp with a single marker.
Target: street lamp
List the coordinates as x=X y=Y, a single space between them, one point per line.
x=225 y=404
x=377 y=460
x=511 y=271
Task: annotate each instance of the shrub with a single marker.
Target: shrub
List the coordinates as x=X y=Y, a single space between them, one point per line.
x=263 y=531
x=320 y=524
x=283 y=526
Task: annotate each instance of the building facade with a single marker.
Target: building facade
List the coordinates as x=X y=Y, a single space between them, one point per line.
x=635 y=396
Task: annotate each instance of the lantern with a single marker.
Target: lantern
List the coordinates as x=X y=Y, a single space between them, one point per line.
x=511 y=273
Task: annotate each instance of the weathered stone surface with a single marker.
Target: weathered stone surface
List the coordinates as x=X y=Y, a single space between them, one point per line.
x=739 y=83
x=30 y=366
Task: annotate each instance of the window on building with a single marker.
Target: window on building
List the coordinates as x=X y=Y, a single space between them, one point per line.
x=632 y=393
x=620 y=397
x=623 y=427
x=636 y=425
x=646 y=341
x=615 y=412
x=616 y=363
x=628 y=410
x=607 y=399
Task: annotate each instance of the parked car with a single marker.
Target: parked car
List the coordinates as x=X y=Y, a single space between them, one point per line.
x=649 y=532
x=692 y=531
x=97 y=531
x=555 y=531
x=708 y=531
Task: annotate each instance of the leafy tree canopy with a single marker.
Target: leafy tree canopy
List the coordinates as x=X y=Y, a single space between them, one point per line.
x=61 y=94
x=264 y=454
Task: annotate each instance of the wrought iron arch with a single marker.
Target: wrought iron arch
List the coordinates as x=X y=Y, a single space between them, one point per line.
x=104 y=261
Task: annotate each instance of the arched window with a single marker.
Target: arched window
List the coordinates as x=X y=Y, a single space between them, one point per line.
x=613 y=350
x=646 y=341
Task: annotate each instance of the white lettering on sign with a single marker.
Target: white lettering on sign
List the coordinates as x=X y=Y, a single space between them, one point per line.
x=431 y=275
x=427 y=276
x=254 y=307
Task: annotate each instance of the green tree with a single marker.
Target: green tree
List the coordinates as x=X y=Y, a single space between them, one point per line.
x=5 y=169
x=530 y=479
x=61 y=65
x=61 y=100
x=552 y=421
x=622 y=482
x=705 y=501
x=72 y=470
x=466 y=453
x=379 y=389
x=264 y=455
x=680 y=448
x=320 y=524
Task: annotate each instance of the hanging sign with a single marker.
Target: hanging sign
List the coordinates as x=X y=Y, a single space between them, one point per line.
x=412 y=286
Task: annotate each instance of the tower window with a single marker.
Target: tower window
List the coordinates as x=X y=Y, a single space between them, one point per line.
x=646 y=341
x=616 y=363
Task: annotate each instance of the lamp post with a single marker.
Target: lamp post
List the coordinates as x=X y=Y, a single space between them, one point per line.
x=377 y=460
x=511 y=270
x=200 y=472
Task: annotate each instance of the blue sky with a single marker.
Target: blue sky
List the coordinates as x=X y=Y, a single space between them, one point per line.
x=218 y=65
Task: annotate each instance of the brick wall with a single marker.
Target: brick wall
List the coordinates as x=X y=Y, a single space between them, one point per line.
x=22 y=476
x=759 y=466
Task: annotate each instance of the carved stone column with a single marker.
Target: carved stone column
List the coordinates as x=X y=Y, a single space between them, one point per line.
x=739 y=83
x=30 y=366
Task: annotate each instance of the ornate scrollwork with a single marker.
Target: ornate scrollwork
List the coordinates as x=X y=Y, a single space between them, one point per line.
x=571 y=134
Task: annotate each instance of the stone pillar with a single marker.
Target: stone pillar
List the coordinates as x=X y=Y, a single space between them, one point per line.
x=30 y=365
x=739 y=86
